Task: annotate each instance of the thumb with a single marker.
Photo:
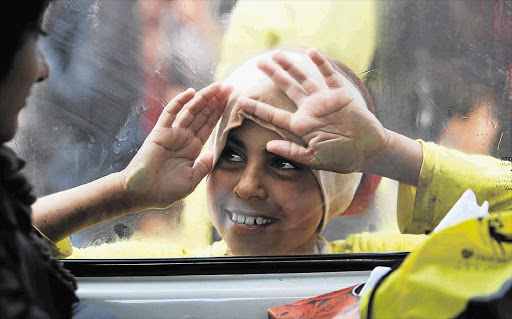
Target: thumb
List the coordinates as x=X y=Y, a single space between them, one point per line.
x=202 y=166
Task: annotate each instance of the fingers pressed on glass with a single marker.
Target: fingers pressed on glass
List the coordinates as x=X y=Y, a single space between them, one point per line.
x=266 y=112
x=283 y=81
x=308 y=84
x=332 y=78
x=223 y=95
x=221 y=99
x=201 y=118
x=197 y=105
x=290 y=150
x=211 y=112
x=170 y=112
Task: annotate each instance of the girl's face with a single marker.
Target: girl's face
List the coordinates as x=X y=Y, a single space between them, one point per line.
x=29 y=66
x=260 y=203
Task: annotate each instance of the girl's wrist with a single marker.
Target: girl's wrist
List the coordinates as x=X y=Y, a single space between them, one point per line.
x=400 y=159
x=127 y=199
x=377 y=158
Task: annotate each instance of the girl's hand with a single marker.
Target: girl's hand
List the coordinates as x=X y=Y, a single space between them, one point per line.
x=339 y=132
x=168 y=167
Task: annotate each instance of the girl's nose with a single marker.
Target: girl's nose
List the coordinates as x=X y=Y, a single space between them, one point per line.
x=44 y=66
x=250 y=184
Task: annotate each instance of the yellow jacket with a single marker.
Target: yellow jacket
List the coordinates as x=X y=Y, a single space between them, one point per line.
x=445 y=175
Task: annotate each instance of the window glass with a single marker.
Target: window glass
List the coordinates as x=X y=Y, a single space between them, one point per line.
x=437 y=71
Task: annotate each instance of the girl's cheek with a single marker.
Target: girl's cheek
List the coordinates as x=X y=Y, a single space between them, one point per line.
x=304 y=200
x=218 y=187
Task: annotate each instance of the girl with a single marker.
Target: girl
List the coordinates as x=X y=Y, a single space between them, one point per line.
x=261 y=203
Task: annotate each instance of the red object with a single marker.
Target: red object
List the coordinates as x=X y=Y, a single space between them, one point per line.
x=364 y=195
x=341 y=304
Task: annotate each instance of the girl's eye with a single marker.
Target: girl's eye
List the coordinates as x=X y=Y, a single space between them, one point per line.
x=284 y=164
x=229 y=155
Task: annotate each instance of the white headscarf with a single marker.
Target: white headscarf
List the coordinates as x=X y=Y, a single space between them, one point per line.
x=337 y=189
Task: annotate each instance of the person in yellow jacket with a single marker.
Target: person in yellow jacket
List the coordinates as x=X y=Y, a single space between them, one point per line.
x=273 y=207
x=286 y=23
x=333 y=121
x=260 y=203
x=343 y=30
x=360 y=143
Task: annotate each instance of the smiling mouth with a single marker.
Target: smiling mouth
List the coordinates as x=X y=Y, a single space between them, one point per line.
x=251 y=220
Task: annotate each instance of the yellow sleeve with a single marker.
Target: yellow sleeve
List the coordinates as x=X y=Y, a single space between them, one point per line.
x=147 y=248
x=445 y=175
x=61 y=249
x=130 y=249
x=375 y=242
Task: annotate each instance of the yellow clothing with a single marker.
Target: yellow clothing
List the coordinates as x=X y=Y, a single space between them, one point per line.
x=445 y=175
x=375 y=242
x=61 y=249
x=470 y=260
x=147 y=249
x=356 y=243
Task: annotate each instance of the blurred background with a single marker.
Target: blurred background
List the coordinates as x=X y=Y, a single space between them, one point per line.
x=437 y=70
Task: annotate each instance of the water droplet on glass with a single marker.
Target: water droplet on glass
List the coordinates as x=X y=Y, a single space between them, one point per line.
x=116 y=147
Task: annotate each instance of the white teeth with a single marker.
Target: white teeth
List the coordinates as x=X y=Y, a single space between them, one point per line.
x=250 y=220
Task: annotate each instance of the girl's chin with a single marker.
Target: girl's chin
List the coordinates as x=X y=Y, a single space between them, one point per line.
x=240 y=246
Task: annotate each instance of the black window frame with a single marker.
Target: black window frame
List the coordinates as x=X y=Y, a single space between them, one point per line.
x=232 y=265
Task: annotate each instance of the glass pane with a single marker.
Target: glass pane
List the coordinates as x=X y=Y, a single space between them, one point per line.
x=438 y=71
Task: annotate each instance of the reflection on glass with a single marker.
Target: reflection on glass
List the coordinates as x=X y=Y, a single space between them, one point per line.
x=432 y=75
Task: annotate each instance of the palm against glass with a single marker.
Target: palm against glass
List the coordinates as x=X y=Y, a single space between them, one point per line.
x=340 y=133
x=168 y=166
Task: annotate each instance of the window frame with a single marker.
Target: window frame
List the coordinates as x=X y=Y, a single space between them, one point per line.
x=232 y=265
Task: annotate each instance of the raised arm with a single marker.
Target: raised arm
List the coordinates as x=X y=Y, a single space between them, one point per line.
x=339 y=131
x=167 y=168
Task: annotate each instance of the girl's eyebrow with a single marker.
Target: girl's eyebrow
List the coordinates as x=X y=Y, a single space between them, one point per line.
x=233 y=140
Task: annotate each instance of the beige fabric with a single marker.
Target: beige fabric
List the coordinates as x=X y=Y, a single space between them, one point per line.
x=337 y=189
